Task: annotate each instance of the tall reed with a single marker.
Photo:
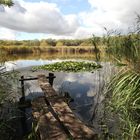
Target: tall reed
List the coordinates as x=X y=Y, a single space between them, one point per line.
x=124 y=92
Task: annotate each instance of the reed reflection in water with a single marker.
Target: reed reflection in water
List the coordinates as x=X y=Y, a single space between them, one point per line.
x=50 y=55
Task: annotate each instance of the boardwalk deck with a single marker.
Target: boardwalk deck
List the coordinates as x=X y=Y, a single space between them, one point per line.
x=56 y=121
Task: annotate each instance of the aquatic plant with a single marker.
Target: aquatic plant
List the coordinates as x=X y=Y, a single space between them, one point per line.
x=70 y=66
x=34 y=134
x=125 y=47
x=124 y=96
x=9 y=113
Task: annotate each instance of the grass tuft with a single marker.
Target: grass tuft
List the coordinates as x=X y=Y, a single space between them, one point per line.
x=124 y=93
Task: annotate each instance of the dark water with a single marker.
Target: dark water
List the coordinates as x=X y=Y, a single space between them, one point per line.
x=84 y=87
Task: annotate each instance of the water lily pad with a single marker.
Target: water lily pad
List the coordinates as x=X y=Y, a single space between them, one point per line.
x=70 y=66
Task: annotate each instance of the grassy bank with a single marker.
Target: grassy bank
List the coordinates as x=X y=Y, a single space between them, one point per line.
x=123 y=105
x=122 y=98
x=110 y=44
x=9 y=111
x=127 y=47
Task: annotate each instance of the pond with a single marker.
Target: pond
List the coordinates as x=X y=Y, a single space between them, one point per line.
x=83 y=87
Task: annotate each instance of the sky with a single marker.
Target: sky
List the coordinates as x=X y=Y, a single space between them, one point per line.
x=68 y=19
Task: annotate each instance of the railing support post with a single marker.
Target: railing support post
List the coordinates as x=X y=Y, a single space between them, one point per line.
x=22 y=88
x=51 y=78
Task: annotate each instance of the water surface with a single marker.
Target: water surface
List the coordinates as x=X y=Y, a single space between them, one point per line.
x=83 y=87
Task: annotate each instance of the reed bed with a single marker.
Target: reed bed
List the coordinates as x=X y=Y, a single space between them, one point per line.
x=124 y=103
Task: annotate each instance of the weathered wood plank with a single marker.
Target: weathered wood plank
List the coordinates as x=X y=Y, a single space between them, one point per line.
x=77 y=129
x=45 y=86
x=75 y=126
x=48 y=127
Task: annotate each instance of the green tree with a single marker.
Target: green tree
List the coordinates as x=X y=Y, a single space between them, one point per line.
x=8 y=3
x=51 y=42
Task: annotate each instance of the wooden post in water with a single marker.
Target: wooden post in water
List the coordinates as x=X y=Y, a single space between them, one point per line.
x=22 y=88
x=51 y=78
x=22 y=108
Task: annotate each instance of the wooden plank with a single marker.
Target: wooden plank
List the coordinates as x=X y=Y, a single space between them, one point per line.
x=34 y=78
x=48 y=127
x=45 y=86
x=77 y=128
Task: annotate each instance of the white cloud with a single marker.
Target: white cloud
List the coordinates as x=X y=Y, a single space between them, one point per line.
x=39 y=17
x=47 y=19
x=83 y=32
x=113 y=14
x=7 y=34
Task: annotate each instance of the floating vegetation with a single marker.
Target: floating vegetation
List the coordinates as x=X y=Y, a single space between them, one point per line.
x=70 y=66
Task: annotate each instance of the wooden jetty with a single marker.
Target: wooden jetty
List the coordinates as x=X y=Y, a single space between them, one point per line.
x=55 y=120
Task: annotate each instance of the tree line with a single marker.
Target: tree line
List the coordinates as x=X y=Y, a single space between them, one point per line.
x=47 y=42
x=93 y=41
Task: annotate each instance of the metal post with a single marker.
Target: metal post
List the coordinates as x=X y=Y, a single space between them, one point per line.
x=51 y=78
x=22 y=88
